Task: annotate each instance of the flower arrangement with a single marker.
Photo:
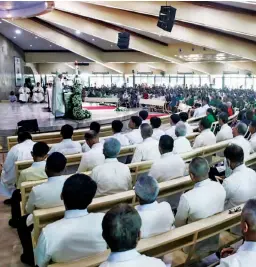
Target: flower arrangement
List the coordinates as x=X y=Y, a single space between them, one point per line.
x=121 y=109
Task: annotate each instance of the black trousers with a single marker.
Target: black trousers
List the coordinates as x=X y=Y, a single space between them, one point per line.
x=24 y=233
x=214 y=172
x=15 y=205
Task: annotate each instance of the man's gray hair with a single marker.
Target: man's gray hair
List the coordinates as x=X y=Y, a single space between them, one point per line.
x=146 y=130
x=241 y=128
x=111 y=148
x=199 y=167
x=249 y=214
x=147 y=189
x=180 y=129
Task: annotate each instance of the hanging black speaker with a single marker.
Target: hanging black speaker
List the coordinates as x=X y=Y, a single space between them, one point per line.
x=166 y=18
x=123 y=40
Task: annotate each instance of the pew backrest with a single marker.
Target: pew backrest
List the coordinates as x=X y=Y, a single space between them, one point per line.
x=185 y=236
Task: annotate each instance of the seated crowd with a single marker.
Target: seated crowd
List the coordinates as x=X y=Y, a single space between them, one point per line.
x=82 y=233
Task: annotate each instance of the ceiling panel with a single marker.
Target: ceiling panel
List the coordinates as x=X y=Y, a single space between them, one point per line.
x=26 y=40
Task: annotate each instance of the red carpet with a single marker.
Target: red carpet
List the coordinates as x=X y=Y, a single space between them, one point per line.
x=98 y=107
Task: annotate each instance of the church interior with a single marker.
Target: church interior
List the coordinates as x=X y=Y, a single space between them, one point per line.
x=127 y=133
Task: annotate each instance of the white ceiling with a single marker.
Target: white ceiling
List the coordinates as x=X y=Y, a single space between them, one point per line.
x=26 y=40
x=249 y=5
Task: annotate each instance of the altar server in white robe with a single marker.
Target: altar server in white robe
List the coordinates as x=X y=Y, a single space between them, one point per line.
x=148 y=150
x=245 y=256
x=252 y=129
x=112 y=176
x=134 y=136
x=155 y=123
x=240 y=186
x=170 y=165
x=24 y=93
x=204 y=200
x=225 y=132
x=38 y=94
x=94 y=156
x=181 y=144
x=21 y=151
x=184 y=118
x=174 y=119
x=121 y=230
x=156 y=217
x=79 y=233
x=67 y=146
x=117 y=127
x=238 y=132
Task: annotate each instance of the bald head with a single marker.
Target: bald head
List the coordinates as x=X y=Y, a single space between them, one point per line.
x=146 y=130
x=199 y=169
x=240 y=129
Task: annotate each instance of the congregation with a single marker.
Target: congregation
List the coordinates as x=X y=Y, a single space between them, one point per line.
x=102 y=173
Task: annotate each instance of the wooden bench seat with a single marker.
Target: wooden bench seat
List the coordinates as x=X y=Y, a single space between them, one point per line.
x=172 y=241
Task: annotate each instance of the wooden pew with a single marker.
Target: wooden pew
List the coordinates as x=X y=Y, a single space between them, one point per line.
x=55 y=137
x=173 y=241
x=42 y=217
x=139 y=167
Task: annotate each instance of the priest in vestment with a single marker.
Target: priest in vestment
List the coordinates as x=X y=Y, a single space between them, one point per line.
x=58 y=105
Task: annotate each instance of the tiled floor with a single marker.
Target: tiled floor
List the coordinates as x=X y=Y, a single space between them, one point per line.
x=10 y=248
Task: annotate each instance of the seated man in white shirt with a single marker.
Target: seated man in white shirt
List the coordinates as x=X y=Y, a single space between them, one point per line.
x=43 y=196
x=202 y=110
x=67 y=146
x=238 y=132
x=184 y=118
x=79 y=233
x=252 y=129
x=121 y=230
x=170 y=165
x=117 y=127
x=33 y=173
x=112 y=176
x=156 y=218
x=94 y=156
x=148 y=150
x=94 y=126
x=204 y=200
x=21 y=151
x=134 y=136
x=174 y=119
x=240 y=186
x=196 y=110
x=225 y=132
x=181 y=144
x=155 y=123
x=245 y=256
x=143 y=115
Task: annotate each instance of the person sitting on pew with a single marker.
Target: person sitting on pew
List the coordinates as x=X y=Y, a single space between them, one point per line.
x=79 y=233
x=181 y=144
x=43 y=196
x=241 y=184
x=174 y=119
x=67 y=146
x=238 y=132
x=94 y=156
x=121 y=230
x=33 y=173
x=134 y=136
x=94 y=126
x=202 y=110
x=156 y=217
x=117 y=127
x=184 y=118
x=21 y=151
x=204 y=200
x=155 y=123
x=252 y=129
x=148 y=150
x=170 y=165
x=245 y=256
x=112 y=176
x=225 y=132
x=143 y=115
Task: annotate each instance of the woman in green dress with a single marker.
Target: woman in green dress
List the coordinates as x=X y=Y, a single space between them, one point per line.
x=210 y=115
